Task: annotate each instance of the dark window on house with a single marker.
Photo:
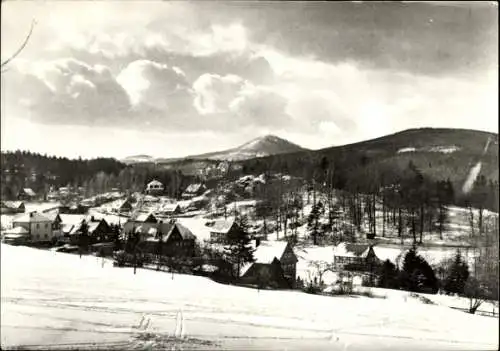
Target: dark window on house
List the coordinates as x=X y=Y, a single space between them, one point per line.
x=46 y=225
x=46 y=236
x=37 y=226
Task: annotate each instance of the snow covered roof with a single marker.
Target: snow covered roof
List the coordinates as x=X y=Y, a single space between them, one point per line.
x=394 y=255
x=14 y=236
x=143 y=217
x=122 y=203
x=183 y=231
x=67 y=228
x=268 y=250
x=167 y=229
x=17 y=230
x=170 y=207
x=154 y=182
x=72 y=219
x=222 y=226
x=52 y=216
x=12 y=204
x=194 y=188
x=350 y=250
x=92 y=226
x=265 y=253
x=29 y=192
x=31 y=217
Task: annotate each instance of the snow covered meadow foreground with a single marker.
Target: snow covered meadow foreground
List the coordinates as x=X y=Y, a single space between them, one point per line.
x=59 y=300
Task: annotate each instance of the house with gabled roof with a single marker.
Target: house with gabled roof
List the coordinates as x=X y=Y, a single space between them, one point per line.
x=275 y=265
x=167 y=239
x=8 y=207
x=26 y=194
x=155 y=187
x=143 y=220
x=56 y=219
x=171 y=209
x=125 y=206
x=98 y=230
x=363 y=257
x=39 y=227
x=16 y=236
x=194 y=190
x=222 y=229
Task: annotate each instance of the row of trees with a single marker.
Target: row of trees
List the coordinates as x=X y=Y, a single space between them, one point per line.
x=456 y=278
x=416 y=275
x=25 y=169
x=403 y=202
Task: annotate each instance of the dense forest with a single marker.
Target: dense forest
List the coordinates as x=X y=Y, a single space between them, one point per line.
x=40 y=172
x=376 y=164
x=407 y=200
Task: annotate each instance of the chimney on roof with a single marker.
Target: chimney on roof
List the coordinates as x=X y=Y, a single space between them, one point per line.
x=31 y=214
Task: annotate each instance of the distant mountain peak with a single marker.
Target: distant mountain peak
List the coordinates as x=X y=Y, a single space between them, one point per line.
x=137 y=159
x=262 y=146
x=265 y=145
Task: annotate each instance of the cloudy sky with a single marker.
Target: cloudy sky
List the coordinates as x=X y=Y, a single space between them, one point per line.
x=178 y=78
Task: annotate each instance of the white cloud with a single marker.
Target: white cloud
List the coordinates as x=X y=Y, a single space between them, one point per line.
x=260 y=106
x=220 y=38
x=214 y=93
x=153 y=84
x=64 y=90
x=367 y=103
x=317 y=102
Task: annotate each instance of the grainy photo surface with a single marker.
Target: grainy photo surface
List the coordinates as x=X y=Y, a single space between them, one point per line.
x=249 y=175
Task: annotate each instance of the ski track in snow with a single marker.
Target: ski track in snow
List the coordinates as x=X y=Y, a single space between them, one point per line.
x=46 y=303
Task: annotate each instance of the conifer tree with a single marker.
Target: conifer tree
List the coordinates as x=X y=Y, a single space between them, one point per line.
x=388 y=274
x=458 y=274
x=417 y=275
x=239 y=250
x=313 y=222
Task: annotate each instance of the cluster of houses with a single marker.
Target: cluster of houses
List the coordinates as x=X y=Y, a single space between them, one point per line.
x=275 y=261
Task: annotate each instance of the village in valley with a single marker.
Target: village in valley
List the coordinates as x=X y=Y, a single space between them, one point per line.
x=218 y=175
x=263 y=231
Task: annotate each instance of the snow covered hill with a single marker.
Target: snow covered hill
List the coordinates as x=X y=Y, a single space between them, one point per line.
x=138 y=159
x=51 y=299
x=259 y=147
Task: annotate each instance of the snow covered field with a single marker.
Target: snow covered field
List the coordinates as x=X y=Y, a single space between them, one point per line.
x=52 y=298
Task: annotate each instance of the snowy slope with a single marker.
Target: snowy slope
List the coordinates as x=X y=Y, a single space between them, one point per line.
x=138 y=159
x=259 y=147
x=44 y=304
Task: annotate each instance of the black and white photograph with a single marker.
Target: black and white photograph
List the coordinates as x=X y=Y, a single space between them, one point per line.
x=249 y=175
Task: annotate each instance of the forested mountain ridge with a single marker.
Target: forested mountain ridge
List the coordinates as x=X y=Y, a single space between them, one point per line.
x=22 y=169
x=451 y=155
x=438 y=153
x=39 y=172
